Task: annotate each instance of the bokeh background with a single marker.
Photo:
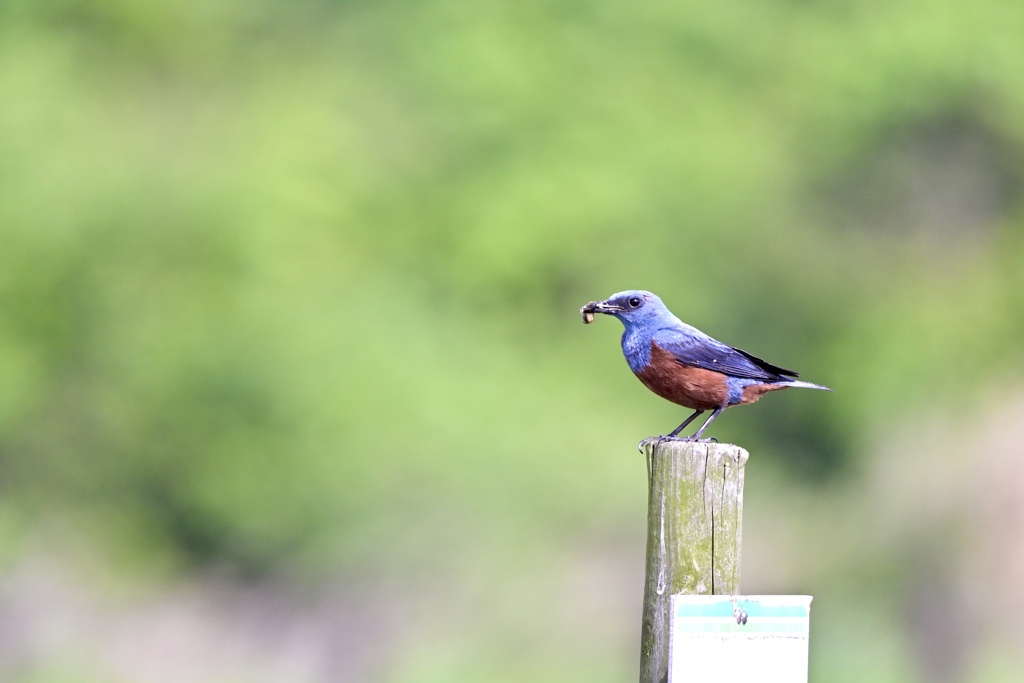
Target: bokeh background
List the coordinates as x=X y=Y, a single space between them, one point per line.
x=293 y=386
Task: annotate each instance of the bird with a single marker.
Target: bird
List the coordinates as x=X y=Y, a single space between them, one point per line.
x=682 y=364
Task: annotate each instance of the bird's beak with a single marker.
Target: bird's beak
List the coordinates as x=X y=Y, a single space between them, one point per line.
x=593 y=307
x=606 y=307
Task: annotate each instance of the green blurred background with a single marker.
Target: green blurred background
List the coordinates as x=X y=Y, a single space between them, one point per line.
x=294 y=386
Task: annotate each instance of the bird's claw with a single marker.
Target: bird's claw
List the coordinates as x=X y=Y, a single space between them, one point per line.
x=656 y=440
x=662 y=438
x=683 y=439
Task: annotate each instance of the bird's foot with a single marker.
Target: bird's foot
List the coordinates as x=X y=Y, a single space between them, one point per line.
x=656 y=440
x=662 y=438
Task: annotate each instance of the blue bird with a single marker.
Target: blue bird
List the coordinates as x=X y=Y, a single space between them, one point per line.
x=682 y=364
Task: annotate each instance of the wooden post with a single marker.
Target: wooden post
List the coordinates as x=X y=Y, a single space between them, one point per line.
x=694 y=524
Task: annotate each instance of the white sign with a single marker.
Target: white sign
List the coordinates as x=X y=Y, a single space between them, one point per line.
x=723 y=639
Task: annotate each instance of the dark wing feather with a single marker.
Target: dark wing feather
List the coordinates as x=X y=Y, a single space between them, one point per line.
x=711 y=354
x=766 y=365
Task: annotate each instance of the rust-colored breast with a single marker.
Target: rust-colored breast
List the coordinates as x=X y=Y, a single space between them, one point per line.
x=686 y=385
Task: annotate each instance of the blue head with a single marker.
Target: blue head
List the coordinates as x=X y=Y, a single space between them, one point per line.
x=637 y=309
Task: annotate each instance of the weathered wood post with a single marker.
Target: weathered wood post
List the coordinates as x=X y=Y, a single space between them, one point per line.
x=694 y=524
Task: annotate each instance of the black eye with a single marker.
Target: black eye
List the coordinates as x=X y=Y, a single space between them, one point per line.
x=634 y=302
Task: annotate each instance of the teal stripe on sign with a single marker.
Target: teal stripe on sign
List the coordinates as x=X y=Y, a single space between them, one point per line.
x=725 y=609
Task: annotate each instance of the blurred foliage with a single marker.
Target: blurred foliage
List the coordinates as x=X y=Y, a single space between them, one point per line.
x=291 y=287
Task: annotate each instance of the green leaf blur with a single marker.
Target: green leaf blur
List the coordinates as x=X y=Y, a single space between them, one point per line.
x=288 y=306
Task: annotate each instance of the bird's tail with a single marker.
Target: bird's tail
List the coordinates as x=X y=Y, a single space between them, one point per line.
x=803 y=385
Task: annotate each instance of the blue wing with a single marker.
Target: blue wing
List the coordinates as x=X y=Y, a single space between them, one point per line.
x=702 y=351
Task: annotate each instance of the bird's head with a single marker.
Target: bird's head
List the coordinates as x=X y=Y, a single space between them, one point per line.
x=633 y=307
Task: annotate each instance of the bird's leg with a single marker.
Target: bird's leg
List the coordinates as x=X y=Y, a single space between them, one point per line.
x=696 y=437
x=673 y=435
x=675 y=432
